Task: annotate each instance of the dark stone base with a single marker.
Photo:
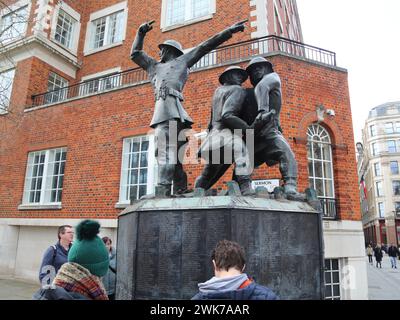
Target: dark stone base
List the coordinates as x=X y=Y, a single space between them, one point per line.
x=164 y=246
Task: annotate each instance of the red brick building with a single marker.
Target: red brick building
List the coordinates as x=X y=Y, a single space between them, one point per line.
x=74 y=135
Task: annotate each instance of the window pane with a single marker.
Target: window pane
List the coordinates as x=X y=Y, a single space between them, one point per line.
x=6 y=82
x=13 y=25
x=310 y=169
x=328 y=277
x=389 y=127
x=335 y=264
x=336 y=290
x=64 y=29
x=335 y=276
x=394 y=167
x=200 y=8
x=175 y=11
x=326 y=152
x=134 y=160
x=328 y=291
x=143 y=176
x=318 y=169
x=317 y=151
x=319 y=187
x=143 y=159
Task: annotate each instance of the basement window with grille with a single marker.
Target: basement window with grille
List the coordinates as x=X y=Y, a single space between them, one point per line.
x=44 y=177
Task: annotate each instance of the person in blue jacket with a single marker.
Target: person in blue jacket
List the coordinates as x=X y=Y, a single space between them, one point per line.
x=56 y=255
x=229 y=282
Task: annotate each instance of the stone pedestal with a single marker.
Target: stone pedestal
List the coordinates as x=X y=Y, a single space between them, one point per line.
x=164 y=245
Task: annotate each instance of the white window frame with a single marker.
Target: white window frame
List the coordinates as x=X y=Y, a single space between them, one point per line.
x=372 y=130
x=394 y=189
x=9 y=93
x=12 y=8
x=374 y=149
x=188 y=18
x=106 y=12
x=152 y=167
x=324 y=134
x=381 y=209
x=377 y=169
x=379 y=190
x=331 y=271
x=391 y=168
x=389 y=129
x=47 y=179
x=99 y=76
x=60 y=95
x=76 y=29
x=391 y=148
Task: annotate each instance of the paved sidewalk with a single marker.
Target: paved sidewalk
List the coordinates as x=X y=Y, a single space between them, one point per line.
x=383 y=284
x=16 y=289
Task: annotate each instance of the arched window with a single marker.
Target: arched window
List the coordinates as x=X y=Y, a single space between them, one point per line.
x=320 y=167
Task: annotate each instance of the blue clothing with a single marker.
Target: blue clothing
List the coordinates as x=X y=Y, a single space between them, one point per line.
x=228 y=289
x=60 y=258
x=57 y=293
x=252 y=292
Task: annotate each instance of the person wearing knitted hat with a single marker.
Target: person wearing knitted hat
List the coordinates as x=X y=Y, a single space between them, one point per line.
x=88 y=261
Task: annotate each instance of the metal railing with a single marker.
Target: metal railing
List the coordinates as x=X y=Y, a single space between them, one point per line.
x=237 y=52
x=329 y=208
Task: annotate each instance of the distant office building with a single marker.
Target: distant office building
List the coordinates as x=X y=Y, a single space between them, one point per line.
x=378 y=170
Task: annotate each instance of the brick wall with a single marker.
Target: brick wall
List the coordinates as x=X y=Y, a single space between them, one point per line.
x=93 y=128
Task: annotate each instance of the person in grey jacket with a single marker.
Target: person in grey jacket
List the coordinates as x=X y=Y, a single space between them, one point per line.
x=109 y=280
x=168 y=77
x=56 y=255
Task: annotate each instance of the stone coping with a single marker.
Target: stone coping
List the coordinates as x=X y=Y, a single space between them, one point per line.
x=219 y=202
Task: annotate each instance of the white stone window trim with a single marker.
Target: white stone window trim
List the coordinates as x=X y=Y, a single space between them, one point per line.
x=13 y=7
x=41 y=205
x=76 y=28
x=151 y=164
x=100 y=14
x=164 y=27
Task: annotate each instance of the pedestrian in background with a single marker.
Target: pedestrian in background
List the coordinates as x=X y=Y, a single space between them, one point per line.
x=370 y=252
x=109 y=280
x=378 y=255
x=56 y=255
x=393 y=253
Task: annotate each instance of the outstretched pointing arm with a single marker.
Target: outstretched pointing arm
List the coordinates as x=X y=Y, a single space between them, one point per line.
x=137 y=53
x=202 y=49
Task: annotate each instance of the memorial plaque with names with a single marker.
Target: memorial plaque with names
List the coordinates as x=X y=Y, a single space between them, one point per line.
x=172 y=248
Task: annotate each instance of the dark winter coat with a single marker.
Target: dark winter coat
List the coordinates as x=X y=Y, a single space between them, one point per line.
x=393 y=251
x=251 y=292
x=378 y=254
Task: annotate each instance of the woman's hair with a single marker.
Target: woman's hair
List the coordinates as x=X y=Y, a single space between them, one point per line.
x=106 y=239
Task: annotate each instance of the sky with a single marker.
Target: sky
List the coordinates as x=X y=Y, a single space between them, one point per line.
x=365 y=34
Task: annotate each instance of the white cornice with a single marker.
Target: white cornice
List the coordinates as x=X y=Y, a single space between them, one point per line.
x=43 y=49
